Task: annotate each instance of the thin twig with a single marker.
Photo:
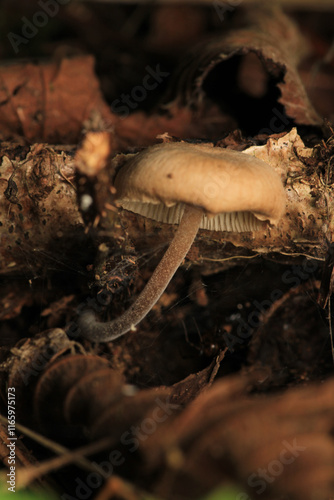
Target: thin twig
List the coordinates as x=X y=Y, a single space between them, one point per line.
x=27 y=474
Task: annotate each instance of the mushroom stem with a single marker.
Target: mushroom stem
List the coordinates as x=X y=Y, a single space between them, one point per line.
x=176 y=252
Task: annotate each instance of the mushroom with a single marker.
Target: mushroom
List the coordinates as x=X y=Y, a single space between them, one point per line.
x=195 y=186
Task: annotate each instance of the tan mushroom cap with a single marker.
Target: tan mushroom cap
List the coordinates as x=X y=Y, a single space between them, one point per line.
x=193 y=185
x=234 y=189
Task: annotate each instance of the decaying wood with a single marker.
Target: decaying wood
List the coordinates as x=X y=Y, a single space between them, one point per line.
x=305 y=229
x=41 y=220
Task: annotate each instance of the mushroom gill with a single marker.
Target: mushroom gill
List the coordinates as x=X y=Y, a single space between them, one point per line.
x=195 y=186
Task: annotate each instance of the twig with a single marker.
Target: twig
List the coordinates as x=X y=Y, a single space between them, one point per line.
x=27 y=474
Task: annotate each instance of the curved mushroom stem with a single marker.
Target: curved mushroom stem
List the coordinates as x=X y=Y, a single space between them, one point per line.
x=176 y=252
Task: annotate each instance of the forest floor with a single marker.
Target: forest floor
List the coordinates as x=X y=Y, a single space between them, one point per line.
x=225 y=390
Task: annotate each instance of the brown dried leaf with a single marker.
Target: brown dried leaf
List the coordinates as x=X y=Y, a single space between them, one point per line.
x=141 y=130
x=129 y=411
x=221 y=438
x=53 y=386
x=186 y=390
x=55 y=102
x=274 y=47
x=91 y=394
x=49 y=102
x=26 y=361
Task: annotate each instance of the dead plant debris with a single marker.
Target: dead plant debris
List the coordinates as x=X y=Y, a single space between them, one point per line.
x=228 y=381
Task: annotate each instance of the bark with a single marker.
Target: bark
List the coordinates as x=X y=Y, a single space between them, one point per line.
x=41 y=224
x=304 y=231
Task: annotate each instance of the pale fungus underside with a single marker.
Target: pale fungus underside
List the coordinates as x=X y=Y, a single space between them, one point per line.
x=195 y=186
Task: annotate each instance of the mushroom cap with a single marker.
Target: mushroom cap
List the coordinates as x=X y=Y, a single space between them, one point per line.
x=158 y=181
